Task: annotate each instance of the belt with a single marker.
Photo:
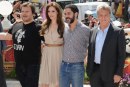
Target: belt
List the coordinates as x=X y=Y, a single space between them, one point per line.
x=53 y=45
x=72 y=63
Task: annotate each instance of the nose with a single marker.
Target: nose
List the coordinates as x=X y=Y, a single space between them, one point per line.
x=65 y=16
x=103 y=17
x=51 y=12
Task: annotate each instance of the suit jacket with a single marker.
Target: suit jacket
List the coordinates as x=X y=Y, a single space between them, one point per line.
x=112 y=55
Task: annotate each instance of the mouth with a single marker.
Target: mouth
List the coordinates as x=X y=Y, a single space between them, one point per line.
x=24 y=16
x=51 y=16
x=68 y=19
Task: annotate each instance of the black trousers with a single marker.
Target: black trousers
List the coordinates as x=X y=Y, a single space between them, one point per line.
x=28 y=75
x=96 y=80
x=2 y=75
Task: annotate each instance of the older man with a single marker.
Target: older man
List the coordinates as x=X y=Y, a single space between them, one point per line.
x=106 y=52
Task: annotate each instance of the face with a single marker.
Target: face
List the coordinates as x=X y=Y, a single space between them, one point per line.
x=90 y=17
x=104 y=17
x=52 y=13
x=26 y=14
x=69 y=16
x=16 y=15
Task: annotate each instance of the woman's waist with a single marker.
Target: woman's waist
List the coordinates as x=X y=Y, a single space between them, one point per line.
x=53 y=45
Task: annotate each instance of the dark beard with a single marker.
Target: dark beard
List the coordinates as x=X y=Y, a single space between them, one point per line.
x=71 y=20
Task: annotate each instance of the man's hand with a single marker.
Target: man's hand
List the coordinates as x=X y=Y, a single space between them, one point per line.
x=117 y=78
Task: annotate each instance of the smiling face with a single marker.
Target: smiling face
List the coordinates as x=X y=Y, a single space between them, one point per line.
x=26 y=14
x=104 y=17
x=69 y=16
x=52 y=13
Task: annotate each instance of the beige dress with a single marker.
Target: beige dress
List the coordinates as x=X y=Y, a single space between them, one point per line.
x=51 y=59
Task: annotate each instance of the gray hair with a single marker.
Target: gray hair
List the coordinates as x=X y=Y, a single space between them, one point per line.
x=103 y=7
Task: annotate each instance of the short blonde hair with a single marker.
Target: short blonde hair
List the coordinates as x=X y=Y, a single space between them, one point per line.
x=103 y=7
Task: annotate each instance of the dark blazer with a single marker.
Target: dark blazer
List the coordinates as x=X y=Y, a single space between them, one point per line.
x=112 y=55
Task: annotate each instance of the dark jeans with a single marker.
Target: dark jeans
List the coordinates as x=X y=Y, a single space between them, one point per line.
x=2 y=76
x=28 y=75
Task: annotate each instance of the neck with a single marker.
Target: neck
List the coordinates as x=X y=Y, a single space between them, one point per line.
x=73 y=25
x=53 y=26
x=28 y=22
x=103 y=27
x=53 y=22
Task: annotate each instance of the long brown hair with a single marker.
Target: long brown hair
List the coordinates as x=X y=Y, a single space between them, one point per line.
x=47 y=22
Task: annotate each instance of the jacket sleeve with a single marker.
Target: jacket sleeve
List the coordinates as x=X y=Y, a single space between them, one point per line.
x=89 y=56
x=121 y=48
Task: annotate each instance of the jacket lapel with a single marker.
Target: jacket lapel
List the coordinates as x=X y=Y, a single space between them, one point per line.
x=94 y=36
x=108 y=37
x=94 y=40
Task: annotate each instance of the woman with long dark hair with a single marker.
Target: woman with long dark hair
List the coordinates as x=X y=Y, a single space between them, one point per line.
x=52 y=30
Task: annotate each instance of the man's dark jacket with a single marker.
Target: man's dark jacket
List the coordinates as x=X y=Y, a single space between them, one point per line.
x=112 y=55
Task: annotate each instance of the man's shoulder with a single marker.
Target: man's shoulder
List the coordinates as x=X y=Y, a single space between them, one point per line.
x=17 y=24
x=35 y=26
x=84 y=27
x=15 y=27
x=115 y=28
x=38 y=26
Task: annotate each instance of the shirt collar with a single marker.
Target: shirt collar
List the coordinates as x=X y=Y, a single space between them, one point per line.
x=105 y=30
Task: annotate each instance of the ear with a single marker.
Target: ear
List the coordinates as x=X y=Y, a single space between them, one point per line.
x=34 y=15
x=76 y=15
